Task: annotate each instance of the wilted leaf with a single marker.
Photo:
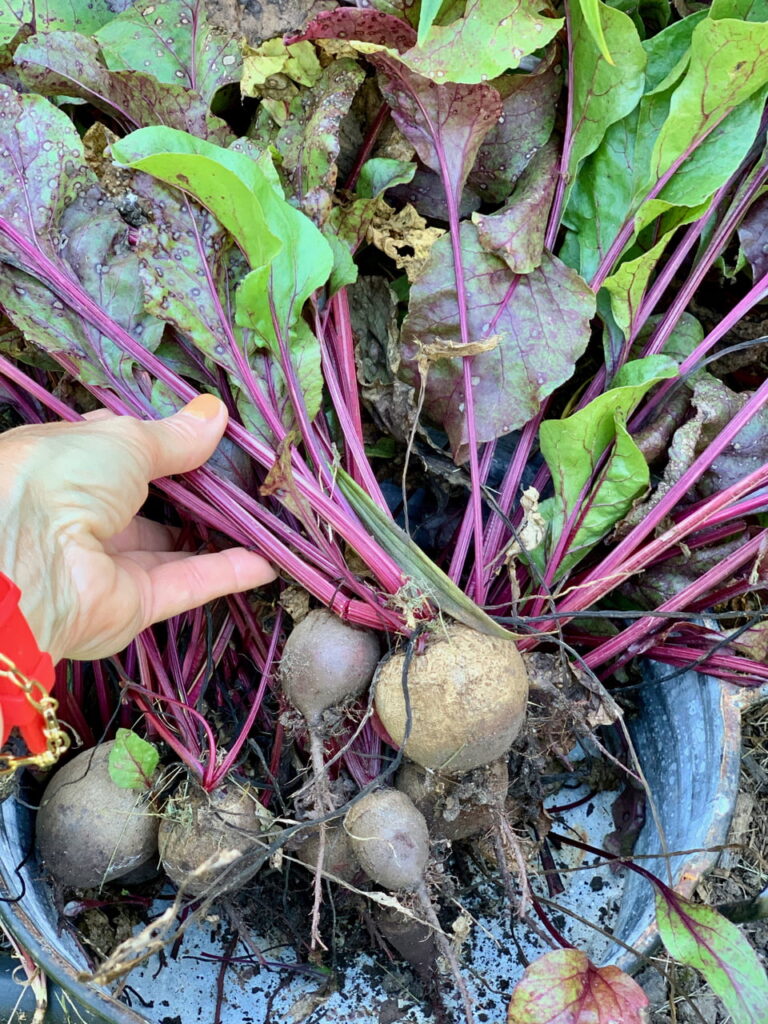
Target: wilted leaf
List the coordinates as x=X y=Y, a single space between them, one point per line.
x=57 y=63
x=516 y=233
x=700 y=937
x=565 y=987
x=491 y=38
x=172 y=41
x=574 y=446
x=298 y=62
x=541 y=332
x=404 y=236
x=132 y=761
x=309 y=140
x=528 y=105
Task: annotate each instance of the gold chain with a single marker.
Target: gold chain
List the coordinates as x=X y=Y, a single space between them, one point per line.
x=56 y=739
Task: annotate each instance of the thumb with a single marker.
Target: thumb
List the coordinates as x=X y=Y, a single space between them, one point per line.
x=185 y=440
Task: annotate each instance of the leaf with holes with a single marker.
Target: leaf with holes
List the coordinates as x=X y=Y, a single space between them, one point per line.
x=309 y=140
x=565 y=987
x=700 y=937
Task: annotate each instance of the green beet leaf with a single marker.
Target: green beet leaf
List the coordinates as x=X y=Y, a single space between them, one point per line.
x=47 y=15
x=428 y=11
x=727 y=66
x=603 y=93
x=565 y=987
x=573 y=447
x=229 y=184
x=381 y=173
x=491 y=38
x=700 y=937
x=132 y=761
x=590 y=12
x=172 y=41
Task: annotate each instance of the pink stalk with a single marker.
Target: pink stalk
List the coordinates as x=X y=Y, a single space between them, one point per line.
x=454 y=225
x=349 y=419
x=620 y=563
x=383 y=567
x=625 y=641
x=226 y=765
x=146 y=699
x=497 y=529
x=756 y=294
x=731 y=667
x=556 y=212
x=467 y=524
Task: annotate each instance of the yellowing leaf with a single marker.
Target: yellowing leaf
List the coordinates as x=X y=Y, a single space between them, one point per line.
x=700 y=937
x=298 y=62
x=565 y=987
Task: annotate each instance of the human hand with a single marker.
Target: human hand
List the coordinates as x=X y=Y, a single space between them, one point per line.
x=92 y=573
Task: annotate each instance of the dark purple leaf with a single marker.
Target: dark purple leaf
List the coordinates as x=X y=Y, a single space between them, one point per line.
x=532 y=345
x=527 y=117
x=364 y=26
x=516 y=233
x=753 y=235
x=65 y=63
x=309 y=139
x=446 y=124
x=173 y=42
x=628 y=813
x=426 y=193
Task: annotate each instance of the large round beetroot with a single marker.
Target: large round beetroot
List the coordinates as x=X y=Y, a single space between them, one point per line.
x=468 y=695
x=89 y=830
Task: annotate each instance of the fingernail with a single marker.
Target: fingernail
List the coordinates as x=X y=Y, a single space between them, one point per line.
x=204 y=407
